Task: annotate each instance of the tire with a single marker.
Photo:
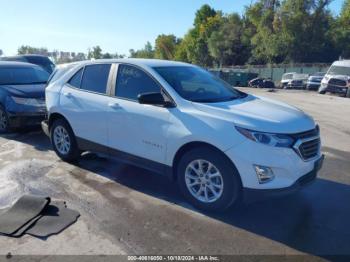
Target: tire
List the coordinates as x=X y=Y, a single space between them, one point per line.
x=322 y=92
x=229 y=180
x=348 y=93
x=68 y=151
x=4 y=121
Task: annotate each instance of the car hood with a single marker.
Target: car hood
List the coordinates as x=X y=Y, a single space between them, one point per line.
x=260 y=114
x=340 y=77
x=31 y=91
x=316 y=78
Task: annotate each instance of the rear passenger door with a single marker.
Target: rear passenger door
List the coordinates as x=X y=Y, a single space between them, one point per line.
x=84 y=102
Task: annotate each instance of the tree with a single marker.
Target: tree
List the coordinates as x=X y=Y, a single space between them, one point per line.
x=146 y=52
x=203 y=14
x=95 y=53
x=25 y=49
x=341 y=31
x=165 y=47
x=226 y=45
x=1 y=52
x=107 y=56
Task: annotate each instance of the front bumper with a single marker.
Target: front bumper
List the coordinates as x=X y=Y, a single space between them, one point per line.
x=252 y=195
x=45 y=127
x=25 y=119
x=24 y=115
x=313 y=85
x=333 y=89
x=286 y=164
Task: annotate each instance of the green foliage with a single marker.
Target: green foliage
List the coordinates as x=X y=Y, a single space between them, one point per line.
x=146 y=52
x=25 y=50
x=165 y=47
x=226 y=44
x=95 y=53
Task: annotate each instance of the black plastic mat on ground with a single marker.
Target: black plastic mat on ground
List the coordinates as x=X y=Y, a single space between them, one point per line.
x=55 y=218
x=37 y=217
x=22 y=213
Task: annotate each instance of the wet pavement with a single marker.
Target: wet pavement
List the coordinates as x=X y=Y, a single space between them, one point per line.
x=127 y=210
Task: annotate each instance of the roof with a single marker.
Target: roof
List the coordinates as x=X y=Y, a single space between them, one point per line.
x=8 y=64
x=139 y=61
x=342 y=63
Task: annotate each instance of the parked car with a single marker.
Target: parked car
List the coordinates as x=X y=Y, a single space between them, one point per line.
x=337 y=79
x=314 y=81
x=286 y=78
x=261 y=83
x=298 y=82
x=22 y=95
x=181 y=121
x=40 y=60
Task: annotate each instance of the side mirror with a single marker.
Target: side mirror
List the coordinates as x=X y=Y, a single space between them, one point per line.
x=154 y=99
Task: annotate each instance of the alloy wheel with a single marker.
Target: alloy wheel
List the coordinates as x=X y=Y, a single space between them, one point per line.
x=204 y=181
x=62 y=140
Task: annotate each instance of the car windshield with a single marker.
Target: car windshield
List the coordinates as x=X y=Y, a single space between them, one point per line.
x=197 y=85
x=287 y=76
x=22 y=76
x=318 y=74
x=339 y=70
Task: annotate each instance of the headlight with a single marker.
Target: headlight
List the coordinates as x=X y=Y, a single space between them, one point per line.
x=277 y=140
x=28 y=101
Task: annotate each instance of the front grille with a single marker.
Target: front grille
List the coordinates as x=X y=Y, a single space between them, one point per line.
x=309 y=149
x=307 y=143
x=337 y=82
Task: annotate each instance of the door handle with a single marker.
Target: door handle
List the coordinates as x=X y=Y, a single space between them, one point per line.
x=67 y=94
x=114 y=105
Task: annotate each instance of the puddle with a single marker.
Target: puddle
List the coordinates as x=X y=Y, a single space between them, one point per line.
x=22 y=177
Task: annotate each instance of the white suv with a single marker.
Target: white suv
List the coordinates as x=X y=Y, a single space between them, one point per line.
x=181 y=121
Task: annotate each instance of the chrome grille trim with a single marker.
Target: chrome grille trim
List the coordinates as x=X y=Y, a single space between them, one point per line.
x=308 y=148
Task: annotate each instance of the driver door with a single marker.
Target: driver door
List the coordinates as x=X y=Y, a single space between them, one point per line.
x=136 y=129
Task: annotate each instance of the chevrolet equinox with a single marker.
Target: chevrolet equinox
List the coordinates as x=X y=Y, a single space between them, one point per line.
x=178 y=120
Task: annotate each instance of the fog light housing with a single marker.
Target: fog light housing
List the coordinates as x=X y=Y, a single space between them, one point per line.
x=265 y=174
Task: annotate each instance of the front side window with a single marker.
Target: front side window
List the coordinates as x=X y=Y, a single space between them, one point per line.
x=197 y=85
x=23 y=76
x=95 y=78
x=132 y=82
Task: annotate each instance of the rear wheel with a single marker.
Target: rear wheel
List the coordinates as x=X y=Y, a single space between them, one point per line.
x=4 y=121
x=348 y=92
x=208 y=180
x=63 y=141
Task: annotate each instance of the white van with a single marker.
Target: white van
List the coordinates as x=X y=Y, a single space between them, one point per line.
x=286 y=78
x=337 y=79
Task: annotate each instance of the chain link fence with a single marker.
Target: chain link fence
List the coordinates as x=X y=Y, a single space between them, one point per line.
x=240 y=75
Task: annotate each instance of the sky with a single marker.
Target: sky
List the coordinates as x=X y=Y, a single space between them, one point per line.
x=115 y=25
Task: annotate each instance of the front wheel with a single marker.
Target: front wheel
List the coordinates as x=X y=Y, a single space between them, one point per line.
x=208 y=180
x=348 y=92
x=63 y=141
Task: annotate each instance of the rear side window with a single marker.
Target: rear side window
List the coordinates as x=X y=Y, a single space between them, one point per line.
x=132 y=81
x=76 y=79
x=95 y=78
